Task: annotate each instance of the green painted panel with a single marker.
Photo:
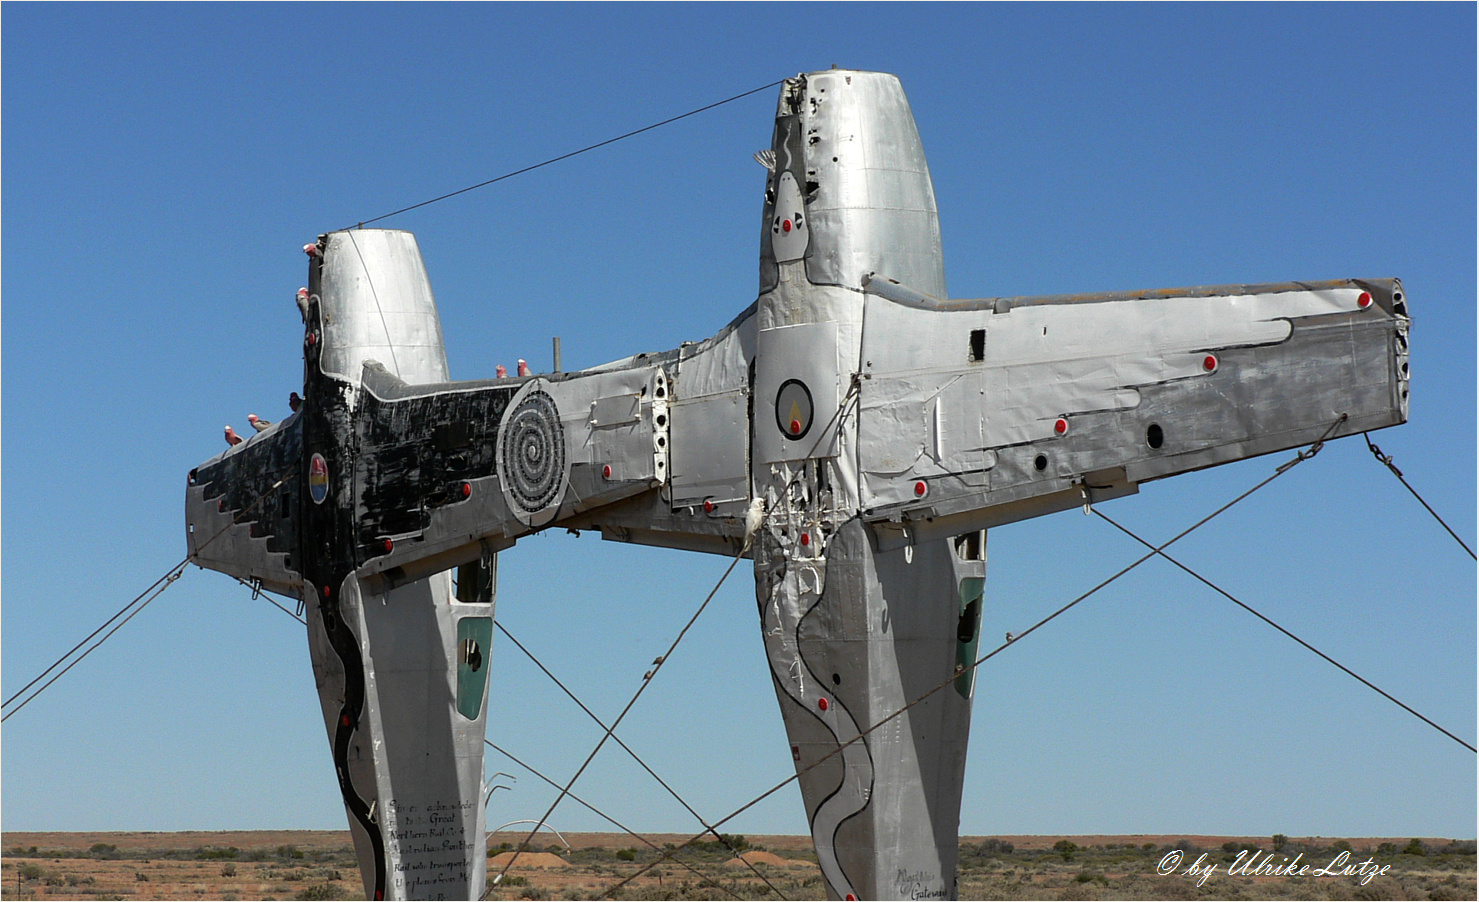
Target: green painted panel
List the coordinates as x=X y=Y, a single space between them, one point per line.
x=474 y=645
x=968 y=633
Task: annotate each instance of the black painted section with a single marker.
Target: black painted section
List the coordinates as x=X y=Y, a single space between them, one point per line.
x=392 y=461
x=417 y=452
x=328 y=553
x=242 y=483
x=413 y=454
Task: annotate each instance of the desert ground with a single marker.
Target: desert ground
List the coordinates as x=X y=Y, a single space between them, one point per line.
x=298 y=864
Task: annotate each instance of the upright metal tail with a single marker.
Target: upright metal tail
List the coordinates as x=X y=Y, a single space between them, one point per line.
x=401 y=672
x=853 y=633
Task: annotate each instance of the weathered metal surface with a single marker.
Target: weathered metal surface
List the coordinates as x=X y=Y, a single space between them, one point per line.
x=1221 y=373
x=851 y=629
x=378 y=306
x=849 y=142
x=711 y=423
x=864 y=426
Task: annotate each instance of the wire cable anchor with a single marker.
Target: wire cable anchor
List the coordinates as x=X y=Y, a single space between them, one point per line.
x=1386 y=459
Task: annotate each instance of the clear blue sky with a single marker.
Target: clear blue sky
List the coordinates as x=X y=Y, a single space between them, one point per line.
x=162 y=166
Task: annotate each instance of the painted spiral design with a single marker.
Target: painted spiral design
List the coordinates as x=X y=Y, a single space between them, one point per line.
x=533 y=453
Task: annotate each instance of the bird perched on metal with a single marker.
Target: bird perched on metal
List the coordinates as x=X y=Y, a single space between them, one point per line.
x=500 y=371
x=1010 y=637
x=232 y=438
x=294 y=401
x=523 y=367
x=258 y=423
x=754 y=516
x=303 y=303
x=647 y=675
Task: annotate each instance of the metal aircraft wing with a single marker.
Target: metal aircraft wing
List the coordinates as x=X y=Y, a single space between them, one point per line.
x=445 y=473
x=448 y=472
x=982 y=412
x=241 y=509
x=651 y=449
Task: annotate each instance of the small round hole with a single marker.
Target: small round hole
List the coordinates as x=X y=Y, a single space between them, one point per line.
x=662 y=419
x=1397 y=296
x=836 y=680
x=1154 y=437
x=1041 y=462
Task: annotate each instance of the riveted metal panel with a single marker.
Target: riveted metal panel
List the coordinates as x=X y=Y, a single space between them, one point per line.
x=796 y=366
x=1069 y=387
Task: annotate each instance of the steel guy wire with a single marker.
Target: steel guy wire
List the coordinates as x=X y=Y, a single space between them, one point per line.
x=836 y=415
x=1279 y=471
x=618 y=824
x=635 y=757
x=168 y=578
x=1249 y=608
x=74 y=648
x=647 y=681
x=256 y=587
x=573 y=153
x=156 y=592
x=1386 y=459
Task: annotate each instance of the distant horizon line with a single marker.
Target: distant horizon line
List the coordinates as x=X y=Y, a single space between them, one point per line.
x=5 y=835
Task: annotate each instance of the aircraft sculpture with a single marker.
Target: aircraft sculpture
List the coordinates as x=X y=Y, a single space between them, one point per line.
x=853 y=431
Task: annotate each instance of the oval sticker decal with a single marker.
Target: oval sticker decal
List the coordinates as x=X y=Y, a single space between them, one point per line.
x=318 y=479
x=793 y=409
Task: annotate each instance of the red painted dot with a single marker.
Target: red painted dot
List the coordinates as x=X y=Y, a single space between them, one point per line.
x=786 y=226
x=326 y=591
x=795 y=427
x=467 y=490
x=806 y=538
x=312 y=339
x=708 y=506
x=606 y=471
x=221 y=506
x=1364 y=300
x=850 y=898
x=389 y=545
x=1209 y=363
x=1061 y=427
x=344 y=719
x=822 y=703
x=920 y=488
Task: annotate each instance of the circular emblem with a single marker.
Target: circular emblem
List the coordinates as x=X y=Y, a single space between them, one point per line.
x=318 y=479
x=531 y=457
x=793 y=409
